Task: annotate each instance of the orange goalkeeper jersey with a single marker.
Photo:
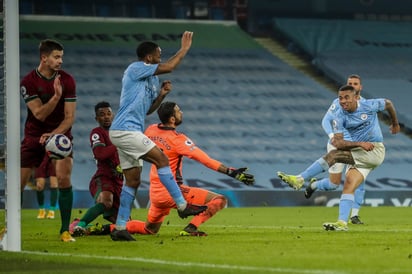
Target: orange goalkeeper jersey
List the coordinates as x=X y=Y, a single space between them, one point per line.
x=176 y=145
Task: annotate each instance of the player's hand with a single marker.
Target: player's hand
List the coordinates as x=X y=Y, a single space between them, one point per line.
x=395 y=128
x=165 y=88
x=44 y=137
x=58 y=90
x=240 y=175
x=187 y=40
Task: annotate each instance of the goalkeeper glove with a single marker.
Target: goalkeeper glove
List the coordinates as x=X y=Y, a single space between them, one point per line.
x=240 y=175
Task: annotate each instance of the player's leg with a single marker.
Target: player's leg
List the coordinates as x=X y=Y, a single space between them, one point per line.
x=53 y=196
x=215 y=202
x=359 y=198
x=318 y=166
x=40 y=183
x=155 y=216
x=354 y=177
x=326 y=184
x=31 y=156
x=160 y=160
x=127 y=196
x=100 y=188
x=65 y=200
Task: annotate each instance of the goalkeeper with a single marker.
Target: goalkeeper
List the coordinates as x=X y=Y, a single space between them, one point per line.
x=177 y=145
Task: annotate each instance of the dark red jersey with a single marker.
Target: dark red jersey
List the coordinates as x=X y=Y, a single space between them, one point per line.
x=33 y=86
x=105 y=153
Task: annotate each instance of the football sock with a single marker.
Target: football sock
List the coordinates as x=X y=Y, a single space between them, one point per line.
x=91 y=214
x=324 y=184
x=53 y=198
x=359 y=196
x=65 y=205
x=40 y=198
x=137 y=227
x=126 y=201
x=213 y=206
x=167 y=179
x=355 y=211
x=314 y=169
x=345 y=206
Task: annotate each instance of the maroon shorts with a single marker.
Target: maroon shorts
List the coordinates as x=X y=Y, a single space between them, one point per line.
x=32 y=152
x=46 y=169
x=102 y=183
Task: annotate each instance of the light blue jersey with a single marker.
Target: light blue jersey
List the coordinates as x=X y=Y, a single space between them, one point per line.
x=363 y=123
x=327 y=120
x=329 y=117
x=140 y=87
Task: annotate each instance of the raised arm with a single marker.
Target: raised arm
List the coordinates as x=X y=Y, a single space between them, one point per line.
x=175 y=60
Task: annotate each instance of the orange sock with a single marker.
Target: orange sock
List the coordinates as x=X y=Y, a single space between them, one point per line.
x=137 y=227
x=213 y=207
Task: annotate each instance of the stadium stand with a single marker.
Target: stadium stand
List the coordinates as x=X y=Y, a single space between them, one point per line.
x=379 y=51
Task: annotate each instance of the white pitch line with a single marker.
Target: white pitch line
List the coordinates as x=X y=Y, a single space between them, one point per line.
x=190 y=264
x=370 y=228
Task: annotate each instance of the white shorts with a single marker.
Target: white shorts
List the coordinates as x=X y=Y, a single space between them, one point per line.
x=338 y=167
x=131 y=145
x=366 y=161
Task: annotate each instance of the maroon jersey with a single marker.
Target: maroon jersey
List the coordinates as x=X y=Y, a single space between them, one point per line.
x=105 y=153
x=33 y=86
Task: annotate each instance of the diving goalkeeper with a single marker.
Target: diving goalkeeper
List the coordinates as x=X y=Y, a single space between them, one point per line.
x=177 y=145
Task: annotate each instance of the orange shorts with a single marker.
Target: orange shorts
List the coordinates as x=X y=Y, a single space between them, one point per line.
x=161 y=202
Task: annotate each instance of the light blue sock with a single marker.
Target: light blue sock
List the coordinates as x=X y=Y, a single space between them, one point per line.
x=345 y=206
x=319 y=166
x=126 y=201
x=359 y=196
x=167 y=179
x=325 y=184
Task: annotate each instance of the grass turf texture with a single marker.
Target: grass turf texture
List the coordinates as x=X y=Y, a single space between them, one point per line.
x=241 y=240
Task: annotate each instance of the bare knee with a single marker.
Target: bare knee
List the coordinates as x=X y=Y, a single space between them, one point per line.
x=106 y=198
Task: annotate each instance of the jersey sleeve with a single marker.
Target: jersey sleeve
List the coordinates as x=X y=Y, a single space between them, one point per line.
x=186 y=147
x=27 y=90
x=327 y=123
x=101 y=149
x=69 y=86
x=141 y=70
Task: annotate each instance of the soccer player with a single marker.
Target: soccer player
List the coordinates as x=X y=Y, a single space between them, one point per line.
x=141 y=95
x=364 y=153
x=177 y=145
x=335 y=171
x=106 y=183
x=50 y=96
x=45 y=171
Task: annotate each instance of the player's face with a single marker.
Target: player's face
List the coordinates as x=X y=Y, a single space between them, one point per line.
x=348 y=100
x=178 y=115
x=156 y=57
x=355 y=82
x=54 y=60
x=104 y=117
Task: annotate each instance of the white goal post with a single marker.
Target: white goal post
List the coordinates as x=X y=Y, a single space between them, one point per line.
x=11 y=240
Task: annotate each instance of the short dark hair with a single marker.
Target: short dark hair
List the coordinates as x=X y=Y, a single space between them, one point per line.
x=102 y=104
x=347 y=87
x=356 y=76
x=146 y=48
x=48 y=45
x=165 y=111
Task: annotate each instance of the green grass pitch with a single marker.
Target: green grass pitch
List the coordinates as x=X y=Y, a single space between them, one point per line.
x=241 y=240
